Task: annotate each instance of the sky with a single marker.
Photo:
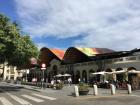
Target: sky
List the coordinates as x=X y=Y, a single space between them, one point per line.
x=113 y=24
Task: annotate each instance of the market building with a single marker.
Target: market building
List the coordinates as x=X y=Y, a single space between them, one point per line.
x=82 y=62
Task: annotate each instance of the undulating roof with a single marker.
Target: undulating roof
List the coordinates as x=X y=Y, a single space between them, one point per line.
x=72 y=54
x=59 y=53
x=46 y=55
x=94 y=51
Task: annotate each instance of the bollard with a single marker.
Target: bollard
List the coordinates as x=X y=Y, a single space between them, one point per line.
x=95 y=89
x=76 y=91
x=112 y=89
x=129 y=88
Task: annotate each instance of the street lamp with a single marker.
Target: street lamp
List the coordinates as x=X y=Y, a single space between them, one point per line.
x=43 y=67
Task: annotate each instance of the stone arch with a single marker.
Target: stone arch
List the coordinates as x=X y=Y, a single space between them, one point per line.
x=84 y=76
x=72 y=76
x=109 y=77
x=108 y=70
x=98 y=76
x=118 y=69
x=120 y=77
x=49 y=77
x=131 y=76
x=55 y=70
x=77 y=76
x=131 y=68
x=62 y=72
x=91 y=71
x=92 y=77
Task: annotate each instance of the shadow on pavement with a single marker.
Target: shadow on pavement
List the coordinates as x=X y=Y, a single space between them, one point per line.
x=10 y=88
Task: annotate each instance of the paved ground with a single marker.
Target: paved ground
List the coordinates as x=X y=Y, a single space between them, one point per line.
x=11 y=94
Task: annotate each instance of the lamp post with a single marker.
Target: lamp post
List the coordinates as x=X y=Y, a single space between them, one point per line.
x=43 y=67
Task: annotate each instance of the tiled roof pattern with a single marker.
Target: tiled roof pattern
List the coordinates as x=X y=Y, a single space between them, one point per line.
x=59 y=53
x=94 y=51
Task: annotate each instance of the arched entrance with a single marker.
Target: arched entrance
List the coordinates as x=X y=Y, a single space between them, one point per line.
x=72 y=77
x=77 y=76
x=120 y=76
x=62 y=72
x=131 y=75
x=92 y=78
x=109 y=77
x=55 y=71
x=98 y=76
x=49 y=77
x=133 y=78
x=84 y=76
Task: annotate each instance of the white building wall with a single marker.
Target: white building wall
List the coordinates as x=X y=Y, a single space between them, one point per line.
x=7 y=72
x=85 y=66
x=124 y=65
x=113 y=64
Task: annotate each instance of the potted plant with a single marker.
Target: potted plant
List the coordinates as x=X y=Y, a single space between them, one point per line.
x=83 y=88
x=59 y=86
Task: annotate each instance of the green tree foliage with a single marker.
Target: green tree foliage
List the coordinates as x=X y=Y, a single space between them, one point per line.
x=15 y=48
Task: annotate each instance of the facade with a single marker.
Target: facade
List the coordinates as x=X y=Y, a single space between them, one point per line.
x=81 y=62
x=9 y=72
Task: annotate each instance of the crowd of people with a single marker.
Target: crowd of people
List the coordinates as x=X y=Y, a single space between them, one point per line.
x=106 y=84
x=58 y=80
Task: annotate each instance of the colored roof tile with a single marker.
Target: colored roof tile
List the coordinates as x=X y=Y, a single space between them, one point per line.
x=94 y=51
x=59 y=53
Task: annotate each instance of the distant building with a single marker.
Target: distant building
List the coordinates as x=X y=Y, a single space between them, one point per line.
x=8 y=72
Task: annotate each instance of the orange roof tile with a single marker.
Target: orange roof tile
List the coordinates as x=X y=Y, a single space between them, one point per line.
x=59 y=53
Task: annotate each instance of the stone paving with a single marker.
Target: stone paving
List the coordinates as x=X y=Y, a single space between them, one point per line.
x=69 y=91
x=65 y=96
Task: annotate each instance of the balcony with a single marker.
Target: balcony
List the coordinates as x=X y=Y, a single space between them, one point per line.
x=118 y=60
x=131 y=58
x=127 y=59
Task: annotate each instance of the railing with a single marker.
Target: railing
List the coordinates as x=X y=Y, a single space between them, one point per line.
x=118 y=60
x=85 y=63
x=91 y=63
x=131 y=58
x=127 y=59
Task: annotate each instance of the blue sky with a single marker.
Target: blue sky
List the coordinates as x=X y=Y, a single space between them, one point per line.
x=81 y=23
x=8 y=8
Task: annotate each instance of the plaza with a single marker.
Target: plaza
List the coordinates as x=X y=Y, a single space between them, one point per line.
x=69 y=52
x=27 y=95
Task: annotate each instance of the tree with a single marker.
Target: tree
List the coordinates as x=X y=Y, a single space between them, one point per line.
x=15 y=48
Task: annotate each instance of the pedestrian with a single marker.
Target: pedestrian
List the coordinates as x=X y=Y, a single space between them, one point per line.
x=70 y=81
x=58 y=81
x=79 y=80
x=52 y=82
x=84 y=80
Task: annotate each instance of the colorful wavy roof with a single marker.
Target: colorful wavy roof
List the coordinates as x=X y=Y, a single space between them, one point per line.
x=59 y=53
x=72 y=54
x=94 y=51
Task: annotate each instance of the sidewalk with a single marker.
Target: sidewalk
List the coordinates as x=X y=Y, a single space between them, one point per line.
x=69 y=90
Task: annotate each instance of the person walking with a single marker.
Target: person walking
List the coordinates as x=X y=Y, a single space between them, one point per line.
x=70 y=81
x=79 y=80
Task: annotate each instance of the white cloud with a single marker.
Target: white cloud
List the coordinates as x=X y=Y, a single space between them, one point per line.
x=106 y=23
x=41 y=45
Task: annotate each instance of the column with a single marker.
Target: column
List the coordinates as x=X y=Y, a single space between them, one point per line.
x=87 y=75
